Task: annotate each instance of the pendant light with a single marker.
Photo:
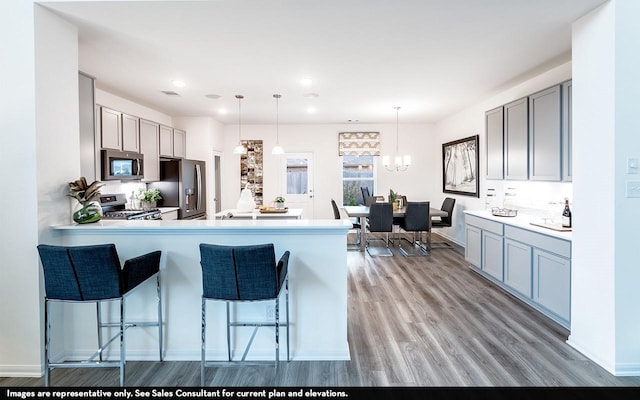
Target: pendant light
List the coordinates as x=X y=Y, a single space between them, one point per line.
x=277 y=149
x=240 y=149
x=401 y=163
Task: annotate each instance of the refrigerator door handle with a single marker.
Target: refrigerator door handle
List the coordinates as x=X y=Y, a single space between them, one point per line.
x=199 y=180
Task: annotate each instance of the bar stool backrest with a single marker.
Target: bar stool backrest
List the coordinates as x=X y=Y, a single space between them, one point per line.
x=241 y=272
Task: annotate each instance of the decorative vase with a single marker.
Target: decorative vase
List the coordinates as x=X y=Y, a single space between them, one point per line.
x=148 y=205
x=87 y=213
x=395 y=206
x=279 y=205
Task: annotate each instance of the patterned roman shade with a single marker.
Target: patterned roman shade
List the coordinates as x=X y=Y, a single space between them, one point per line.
x=359 y=143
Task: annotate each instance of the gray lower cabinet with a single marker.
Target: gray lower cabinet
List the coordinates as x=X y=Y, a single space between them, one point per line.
x=534 y=267
x=517 y=266
x=552 y=282
x=492 y=257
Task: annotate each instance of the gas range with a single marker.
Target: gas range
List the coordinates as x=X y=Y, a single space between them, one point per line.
x=113 y=207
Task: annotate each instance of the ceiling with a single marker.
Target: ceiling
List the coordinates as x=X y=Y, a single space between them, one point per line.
x=364 y=57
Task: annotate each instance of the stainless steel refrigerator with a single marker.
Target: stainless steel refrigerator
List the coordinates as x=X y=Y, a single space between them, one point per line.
x=183 y=184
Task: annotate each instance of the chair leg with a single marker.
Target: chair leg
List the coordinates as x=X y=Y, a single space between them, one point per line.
x=277 y=323
x=286 y=293
x=203 y=339
x=99 y=323
x=122 y=341
x=47 y=341
x=159 y=297
x=228 y=334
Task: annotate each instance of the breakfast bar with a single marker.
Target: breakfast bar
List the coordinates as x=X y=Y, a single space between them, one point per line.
x=317 y=282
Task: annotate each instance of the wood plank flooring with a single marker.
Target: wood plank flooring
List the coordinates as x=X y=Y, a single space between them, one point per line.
x=413 y=321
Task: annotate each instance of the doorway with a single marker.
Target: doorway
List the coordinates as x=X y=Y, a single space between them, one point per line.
x=297 y=179
x=216 y=184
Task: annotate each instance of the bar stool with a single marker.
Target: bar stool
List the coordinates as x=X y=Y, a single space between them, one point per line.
x=92 y=274
x=243 y=274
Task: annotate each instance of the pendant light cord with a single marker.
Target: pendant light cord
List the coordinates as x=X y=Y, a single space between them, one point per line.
x=397 y=108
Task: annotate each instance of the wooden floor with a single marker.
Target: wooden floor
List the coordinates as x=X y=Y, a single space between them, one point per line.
x=413 y=321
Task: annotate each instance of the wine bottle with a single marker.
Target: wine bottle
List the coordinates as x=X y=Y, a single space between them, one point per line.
x=566 y=214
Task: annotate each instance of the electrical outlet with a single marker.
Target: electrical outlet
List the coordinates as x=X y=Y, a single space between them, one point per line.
x=271 y=312
x=633 y=188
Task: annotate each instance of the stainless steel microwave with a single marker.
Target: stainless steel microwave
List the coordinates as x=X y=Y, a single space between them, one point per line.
x=122 y=165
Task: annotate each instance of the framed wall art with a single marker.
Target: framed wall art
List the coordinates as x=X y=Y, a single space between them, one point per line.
x=460 y=167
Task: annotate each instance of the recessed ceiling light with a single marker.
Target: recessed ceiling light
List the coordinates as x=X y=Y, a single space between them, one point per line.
x=222 y=111
x=178 y=83
x=353 y=120
x=212 y=96
x=306 y=81
x=311 y=110
x=311 y=95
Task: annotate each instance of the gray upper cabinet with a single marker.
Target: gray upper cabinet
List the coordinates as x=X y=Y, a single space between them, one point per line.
x=545 y=135
x=130 y=133
x=166 y=141
x=494 y=124
x=567 y=126
x=110 y=129
x=516 y=138
x=150 y=147
x=179 y=143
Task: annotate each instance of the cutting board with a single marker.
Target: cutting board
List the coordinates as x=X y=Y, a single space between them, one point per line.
x=555 y=227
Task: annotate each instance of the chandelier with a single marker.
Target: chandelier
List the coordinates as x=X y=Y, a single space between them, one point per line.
x=401 y=163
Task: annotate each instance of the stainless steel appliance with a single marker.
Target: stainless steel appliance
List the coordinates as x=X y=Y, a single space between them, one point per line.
x=114 y=207
x=182 y=184
x=122 y=165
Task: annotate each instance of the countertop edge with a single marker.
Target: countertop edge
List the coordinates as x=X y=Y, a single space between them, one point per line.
x=521 y=221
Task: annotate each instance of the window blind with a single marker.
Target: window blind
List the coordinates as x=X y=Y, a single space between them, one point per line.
x=359 y=143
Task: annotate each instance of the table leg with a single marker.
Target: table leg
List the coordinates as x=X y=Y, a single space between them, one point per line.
x=363 y=233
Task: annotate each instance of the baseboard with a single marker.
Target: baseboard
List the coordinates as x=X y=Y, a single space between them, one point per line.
x=21 y=371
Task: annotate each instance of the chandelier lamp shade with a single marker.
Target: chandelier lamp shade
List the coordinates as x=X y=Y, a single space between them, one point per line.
x=277 y=149
x=401 y=163
x=240 y=148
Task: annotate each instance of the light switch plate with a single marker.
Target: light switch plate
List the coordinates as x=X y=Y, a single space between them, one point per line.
x=633 y=188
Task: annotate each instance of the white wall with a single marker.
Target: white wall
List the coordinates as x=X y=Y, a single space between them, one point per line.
x=19 y=345
x=322 y=141
x=470 y=121
x=42 y=156
x=605 y=250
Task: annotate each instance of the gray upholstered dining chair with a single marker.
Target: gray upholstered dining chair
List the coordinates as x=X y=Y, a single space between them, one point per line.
x=380 y=220
x=92 y=274
x=355 y=224
x=236 y=274
x=416 y=221
x=444 y=222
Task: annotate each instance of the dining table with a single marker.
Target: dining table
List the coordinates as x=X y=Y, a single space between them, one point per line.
x=362 y=212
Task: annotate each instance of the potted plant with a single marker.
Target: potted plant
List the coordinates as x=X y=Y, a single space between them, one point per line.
x=279 y=202
x=89 y=210
x=393 y=196
x=149 y=197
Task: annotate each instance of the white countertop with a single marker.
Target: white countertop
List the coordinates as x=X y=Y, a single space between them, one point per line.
x=168 y=209
x=231 y=226
x=290 y=213
x=521 y=221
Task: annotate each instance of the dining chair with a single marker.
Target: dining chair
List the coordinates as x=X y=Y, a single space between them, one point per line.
x=380 y=220
x=365 y=193
x=92 y=274
x=416 y=221
x=444 y=222
x=354 y=223
x=238 y=274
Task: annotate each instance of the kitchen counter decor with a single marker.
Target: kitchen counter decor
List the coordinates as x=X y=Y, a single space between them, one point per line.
x=149 y=198
x=88 y=209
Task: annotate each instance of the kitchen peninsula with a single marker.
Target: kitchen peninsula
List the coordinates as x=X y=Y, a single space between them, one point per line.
x=317 y=282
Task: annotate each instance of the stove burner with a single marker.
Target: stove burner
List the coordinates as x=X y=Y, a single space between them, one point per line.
x=113 y=207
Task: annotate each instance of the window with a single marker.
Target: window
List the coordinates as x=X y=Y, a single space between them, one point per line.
x=357 y=171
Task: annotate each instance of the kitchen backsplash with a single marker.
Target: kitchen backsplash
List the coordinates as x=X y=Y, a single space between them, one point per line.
x=544 y=199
